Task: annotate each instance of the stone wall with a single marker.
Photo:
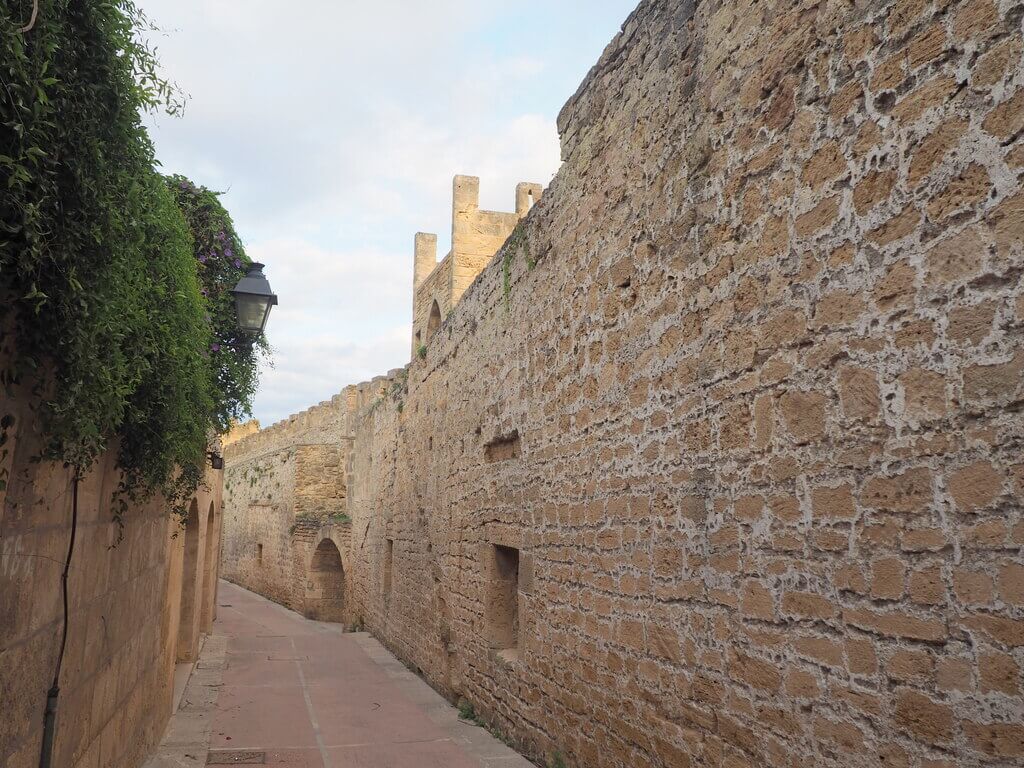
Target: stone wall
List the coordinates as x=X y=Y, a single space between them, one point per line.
x=280 y=483
x=137 y=605
x=733 y=475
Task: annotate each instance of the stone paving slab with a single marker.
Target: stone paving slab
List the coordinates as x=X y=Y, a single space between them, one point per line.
x=188 y=733
x=274 y=688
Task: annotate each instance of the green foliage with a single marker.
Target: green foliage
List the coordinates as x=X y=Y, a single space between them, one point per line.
x=557 y=761
x=516 y=241
x=467 y=711
x=222 y=262
x=421 y=352
x=99 y=289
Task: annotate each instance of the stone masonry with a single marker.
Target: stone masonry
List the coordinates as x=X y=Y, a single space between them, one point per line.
x=719 y=462
x=281 y=485
x=140 y=597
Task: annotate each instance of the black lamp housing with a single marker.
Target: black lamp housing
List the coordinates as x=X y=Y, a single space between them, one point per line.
x=253 y=299
x=216 y=460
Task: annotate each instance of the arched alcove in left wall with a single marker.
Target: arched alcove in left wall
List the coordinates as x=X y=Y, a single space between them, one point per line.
x=209 y=571
x=189 y=577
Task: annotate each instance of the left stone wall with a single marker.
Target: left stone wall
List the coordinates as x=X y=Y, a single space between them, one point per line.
x=136 y=607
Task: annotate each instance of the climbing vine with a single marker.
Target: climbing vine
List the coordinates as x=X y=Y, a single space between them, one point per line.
x=101 y=308
x=516 y=241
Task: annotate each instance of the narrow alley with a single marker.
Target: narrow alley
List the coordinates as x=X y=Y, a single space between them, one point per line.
x=274 y=688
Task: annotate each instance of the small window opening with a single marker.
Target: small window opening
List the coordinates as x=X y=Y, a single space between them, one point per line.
x=503 y=601
x=434 y=322
x=389 y=549
x=503 y=447
x=259 y=553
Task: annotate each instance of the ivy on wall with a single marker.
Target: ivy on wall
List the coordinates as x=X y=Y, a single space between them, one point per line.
x=110 y=311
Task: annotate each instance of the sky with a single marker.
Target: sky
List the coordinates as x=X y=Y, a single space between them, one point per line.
x=334 y=128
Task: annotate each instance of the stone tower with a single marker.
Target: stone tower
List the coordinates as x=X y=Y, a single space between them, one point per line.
x=476 y=237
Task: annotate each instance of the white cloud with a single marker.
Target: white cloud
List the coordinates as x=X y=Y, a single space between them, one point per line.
x=335 y=129
x=314 y=369
x=340 y=320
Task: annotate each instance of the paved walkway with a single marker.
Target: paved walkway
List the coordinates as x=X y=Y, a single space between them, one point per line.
x=302 y=694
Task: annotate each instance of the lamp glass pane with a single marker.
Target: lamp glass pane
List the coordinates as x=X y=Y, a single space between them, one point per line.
x=251 y=311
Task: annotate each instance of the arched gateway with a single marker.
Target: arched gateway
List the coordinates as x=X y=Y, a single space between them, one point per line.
x=325 y=585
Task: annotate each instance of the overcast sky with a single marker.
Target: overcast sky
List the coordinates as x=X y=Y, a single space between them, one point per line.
x=335 y=127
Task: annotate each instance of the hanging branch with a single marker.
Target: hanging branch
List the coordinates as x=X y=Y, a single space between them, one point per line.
x=32 y=19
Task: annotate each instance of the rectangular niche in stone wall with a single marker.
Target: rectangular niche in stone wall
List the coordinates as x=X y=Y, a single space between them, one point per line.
x=259 y=554
x=389 y=549
x=501 y=609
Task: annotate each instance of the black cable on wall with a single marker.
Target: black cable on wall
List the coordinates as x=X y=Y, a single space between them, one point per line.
x=49 y=719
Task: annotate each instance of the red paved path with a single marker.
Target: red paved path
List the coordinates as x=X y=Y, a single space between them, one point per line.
x=311 y=697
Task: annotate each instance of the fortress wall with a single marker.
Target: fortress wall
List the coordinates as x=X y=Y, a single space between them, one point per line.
x=282 y=483
x=476 y=234
x=734 y=477
x=259 y=511
x=294 y=468
x=325 y=422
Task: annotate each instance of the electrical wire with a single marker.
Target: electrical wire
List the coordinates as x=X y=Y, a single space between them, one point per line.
x=49 y=719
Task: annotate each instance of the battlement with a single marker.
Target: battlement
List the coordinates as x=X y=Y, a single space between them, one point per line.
x=329 y=421
x=324 y=422
x=477 y=235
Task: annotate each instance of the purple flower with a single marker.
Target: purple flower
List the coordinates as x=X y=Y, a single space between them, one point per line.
x=238 y=263
x=202 y=258
x=205 y=292
x=228 y=253
x=215 y=347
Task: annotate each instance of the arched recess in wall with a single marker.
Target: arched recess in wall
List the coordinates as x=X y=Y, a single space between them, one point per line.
x=325 y=584
x=435 y=320
x=209 y=571
x=189 y=579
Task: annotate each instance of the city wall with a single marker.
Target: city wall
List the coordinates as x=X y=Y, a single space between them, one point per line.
x=719 y=464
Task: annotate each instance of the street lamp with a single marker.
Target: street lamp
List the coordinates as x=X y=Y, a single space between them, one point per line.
x=253 y=299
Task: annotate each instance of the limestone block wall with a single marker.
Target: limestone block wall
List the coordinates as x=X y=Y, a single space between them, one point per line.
x=259 y=509
x=320 y=487
x=736 y=477
x=139 y=599
x=276 y=479
x=478 y=234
